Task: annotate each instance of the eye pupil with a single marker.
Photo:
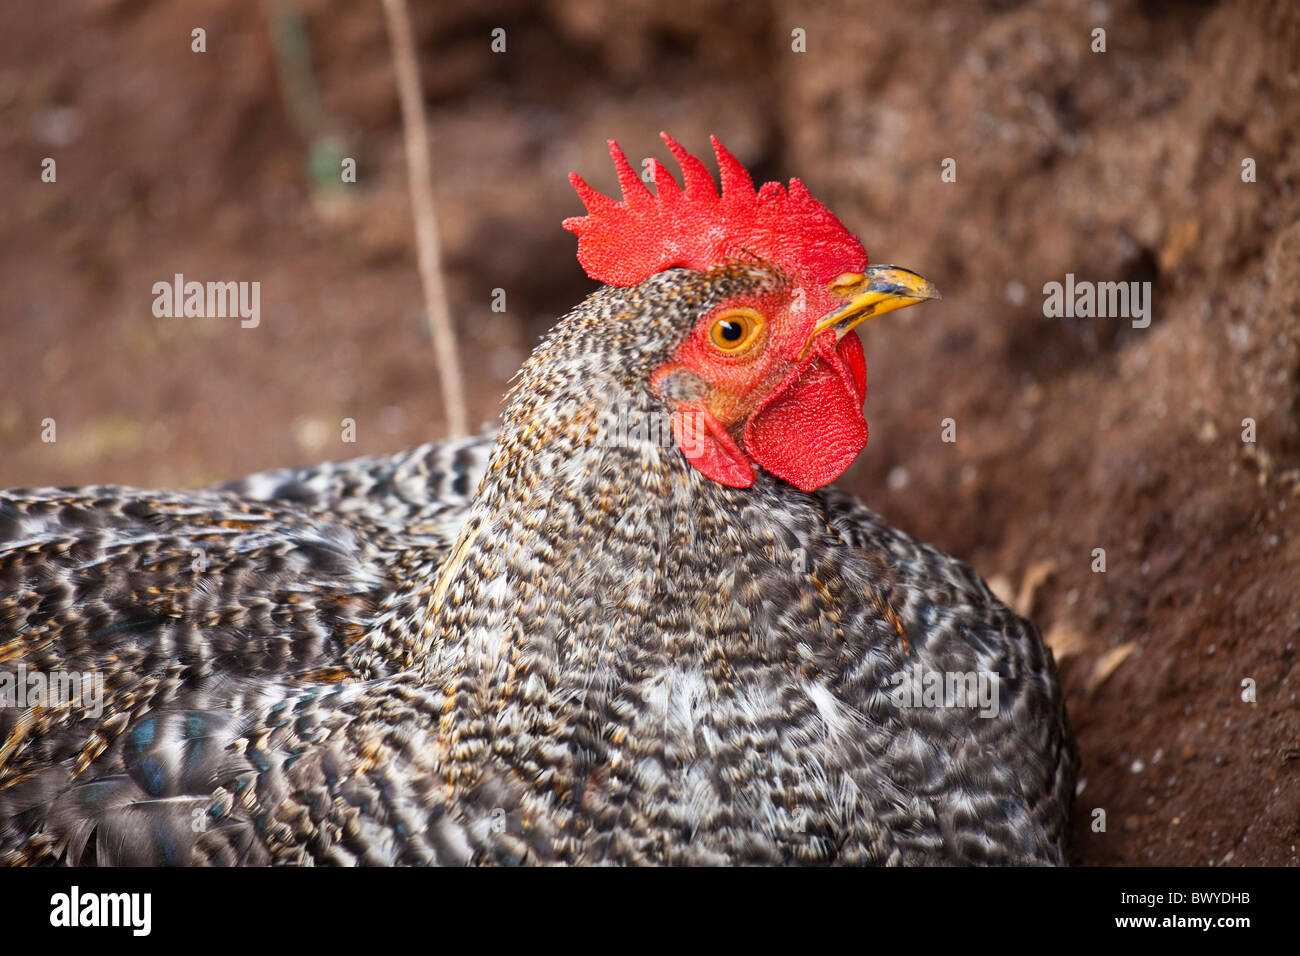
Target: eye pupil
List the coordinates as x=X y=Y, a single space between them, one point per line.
x=735 y=332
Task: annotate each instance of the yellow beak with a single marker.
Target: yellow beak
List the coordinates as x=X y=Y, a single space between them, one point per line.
x=879 y=290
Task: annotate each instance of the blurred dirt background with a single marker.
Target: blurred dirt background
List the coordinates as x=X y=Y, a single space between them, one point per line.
x=1071 y=434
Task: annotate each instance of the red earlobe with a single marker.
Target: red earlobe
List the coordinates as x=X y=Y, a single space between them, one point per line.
x=709 y=449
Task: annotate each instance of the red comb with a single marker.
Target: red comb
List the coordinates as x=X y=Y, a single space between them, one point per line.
x=623 y=243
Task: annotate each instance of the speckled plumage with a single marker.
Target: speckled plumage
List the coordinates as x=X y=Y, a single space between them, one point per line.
x=599 y=655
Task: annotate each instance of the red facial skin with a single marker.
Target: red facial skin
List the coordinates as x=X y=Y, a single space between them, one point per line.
x=799 y=418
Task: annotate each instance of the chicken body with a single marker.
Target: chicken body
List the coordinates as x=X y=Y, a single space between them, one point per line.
x=560 y=645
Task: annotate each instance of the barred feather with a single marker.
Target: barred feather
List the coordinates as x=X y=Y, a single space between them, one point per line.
x=560 y=644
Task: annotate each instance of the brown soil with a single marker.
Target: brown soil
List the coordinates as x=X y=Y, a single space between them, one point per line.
x=1072 y=434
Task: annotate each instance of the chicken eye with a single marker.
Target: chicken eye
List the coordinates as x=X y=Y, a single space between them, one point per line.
x=736 y=330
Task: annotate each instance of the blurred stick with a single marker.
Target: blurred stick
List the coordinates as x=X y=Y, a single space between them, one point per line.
x=426 y=224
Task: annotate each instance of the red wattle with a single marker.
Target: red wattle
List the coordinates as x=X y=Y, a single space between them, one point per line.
x=709 y=449
x=811 y=427
x=850 y=350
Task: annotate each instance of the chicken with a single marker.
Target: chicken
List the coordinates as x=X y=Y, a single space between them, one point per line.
x=634 y=625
